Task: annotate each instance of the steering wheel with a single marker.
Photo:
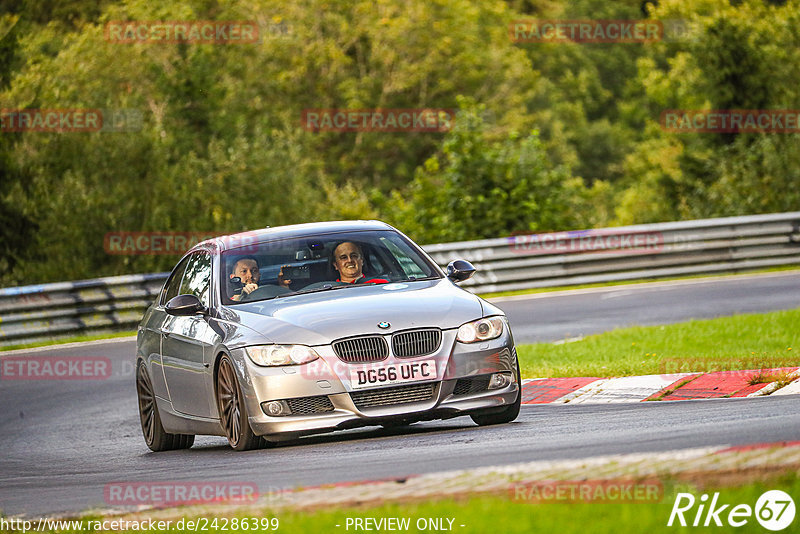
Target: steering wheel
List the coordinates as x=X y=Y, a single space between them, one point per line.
x=265 y=292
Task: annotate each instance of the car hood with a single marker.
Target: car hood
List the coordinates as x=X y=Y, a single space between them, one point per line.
x=318 y=318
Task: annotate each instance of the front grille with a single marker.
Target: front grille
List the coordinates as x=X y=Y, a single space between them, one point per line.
x=310 y=405
x=416 y=342
x=392 y=396
x=361 y=349
x=465 y=386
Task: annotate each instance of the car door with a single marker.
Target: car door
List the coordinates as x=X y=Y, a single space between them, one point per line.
x=153 y=329
x=186 y=344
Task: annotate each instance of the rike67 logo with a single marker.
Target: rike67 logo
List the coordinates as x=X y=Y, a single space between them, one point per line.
x=774 y=510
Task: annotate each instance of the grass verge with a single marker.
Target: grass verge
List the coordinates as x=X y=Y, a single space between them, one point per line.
x=507 y=515
x=513 y=513
x=749 y=341
x=74 y=339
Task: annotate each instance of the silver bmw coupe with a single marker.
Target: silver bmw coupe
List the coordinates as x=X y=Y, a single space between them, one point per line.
x=289 y=331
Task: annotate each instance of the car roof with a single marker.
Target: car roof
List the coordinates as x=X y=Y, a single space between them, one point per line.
x=232 y=241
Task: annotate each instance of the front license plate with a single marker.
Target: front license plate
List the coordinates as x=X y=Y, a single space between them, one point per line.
x=396 y=373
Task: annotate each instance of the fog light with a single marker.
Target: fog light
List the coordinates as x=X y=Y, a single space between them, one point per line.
x=499 y=380
x=275 y=408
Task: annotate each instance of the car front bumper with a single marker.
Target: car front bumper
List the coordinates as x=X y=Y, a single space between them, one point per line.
x=327 y=401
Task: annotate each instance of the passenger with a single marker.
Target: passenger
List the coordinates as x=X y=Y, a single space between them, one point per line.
x=249 y=275
x=348 y=260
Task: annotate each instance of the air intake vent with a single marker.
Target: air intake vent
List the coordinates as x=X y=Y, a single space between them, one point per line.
x=361 y=349
x=310 y=405
x=392 y=396
x=465 y=386
x=416 y=342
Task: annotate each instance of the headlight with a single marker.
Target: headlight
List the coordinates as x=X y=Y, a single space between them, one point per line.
x=272 y=355
x=480 y=330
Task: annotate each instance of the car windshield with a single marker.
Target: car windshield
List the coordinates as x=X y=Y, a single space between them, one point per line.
x=320 y=263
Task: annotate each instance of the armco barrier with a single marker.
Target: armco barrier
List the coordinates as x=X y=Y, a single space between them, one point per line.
x=32 y=313
x=706 y=246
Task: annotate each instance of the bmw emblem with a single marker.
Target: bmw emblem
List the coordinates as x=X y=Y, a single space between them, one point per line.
x=384 y=325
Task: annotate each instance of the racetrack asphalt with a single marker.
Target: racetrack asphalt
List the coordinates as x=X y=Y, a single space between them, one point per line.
x=63 y=441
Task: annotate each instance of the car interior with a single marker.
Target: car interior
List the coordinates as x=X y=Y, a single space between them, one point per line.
x=307 y=263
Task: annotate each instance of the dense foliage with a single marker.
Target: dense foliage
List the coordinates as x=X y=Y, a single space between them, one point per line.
x=548 y=136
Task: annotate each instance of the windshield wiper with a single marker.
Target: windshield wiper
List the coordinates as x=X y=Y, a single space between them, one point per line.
x=325 y=288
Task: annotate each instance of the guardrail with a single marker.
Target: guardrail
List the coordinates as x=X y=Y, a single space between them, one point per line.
x=708 y=246
x=65 y=309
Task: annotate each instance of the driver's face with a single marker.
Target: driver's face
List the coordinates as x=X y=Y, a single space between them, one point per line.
x=348 y=261
x=247 y=270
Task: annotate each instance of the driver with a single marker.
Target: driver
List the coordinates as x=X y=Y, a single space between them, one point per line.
x=348 y=260
x=246 y=269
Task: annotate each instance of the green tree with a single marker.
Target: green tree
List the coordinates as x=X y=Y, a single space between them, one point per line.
x=16 y=227
x=481 y=189
x=736 y=57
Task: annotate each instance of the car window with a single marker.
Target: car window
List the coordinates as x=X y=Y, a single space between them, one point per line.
x=197 y=278
x=307 y=264
x=409 y=266
x=375 y=263
x=171 y=288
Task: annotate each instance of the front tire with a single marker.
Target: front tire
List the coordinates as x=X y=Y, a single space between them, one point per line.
x=507 y=415
x=156 y=438
x=232 y=409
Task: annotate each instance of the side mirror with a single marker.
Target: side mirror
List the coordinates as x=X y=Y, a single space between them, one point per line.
x=184 y=305
x=460 y=270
